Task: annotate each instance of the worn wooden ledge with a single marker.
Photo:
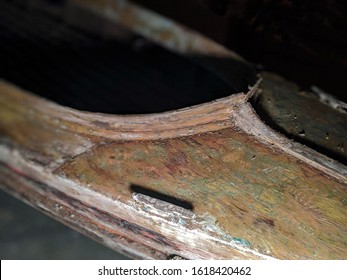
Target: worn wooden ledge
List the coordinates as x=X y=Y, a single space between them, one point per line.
x=255 y=194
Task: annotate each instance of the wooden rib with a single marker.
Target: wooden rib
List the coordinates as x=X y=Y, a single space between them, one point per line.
x=255 y=193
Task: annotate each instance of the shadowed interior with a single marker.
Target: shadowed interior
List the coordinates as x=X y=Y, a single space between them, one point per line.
x=71 y=67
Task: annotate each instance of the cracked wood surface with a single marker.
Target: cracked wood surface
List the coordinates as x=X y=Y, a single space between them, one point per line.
x=255 y=194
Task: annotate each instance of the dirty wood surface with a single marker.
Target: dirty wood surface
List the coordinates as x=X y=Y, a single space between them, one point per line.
x=254 y=193
x=247 y=191
x=303 y=116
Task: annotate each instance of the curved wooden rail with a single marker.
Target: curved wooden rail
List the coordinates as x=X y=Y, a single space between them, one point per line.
x=210 y=181
x=255 y=194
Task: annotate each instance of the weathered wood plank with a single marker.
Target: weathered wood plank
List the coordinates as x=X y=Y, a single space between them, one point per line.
x=255 y=194
x=303 y=117
x=251 y=198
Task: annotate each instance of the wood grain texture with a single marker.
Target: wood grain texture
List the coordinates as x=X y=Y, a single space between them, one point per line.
x=255 y=194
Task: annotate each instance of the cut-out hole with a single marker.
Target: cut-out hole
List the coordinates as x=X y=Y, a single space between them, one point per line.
x=167 y=198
